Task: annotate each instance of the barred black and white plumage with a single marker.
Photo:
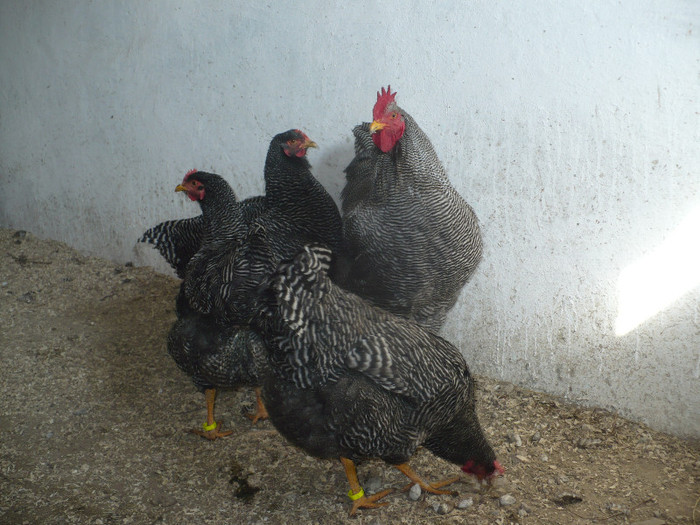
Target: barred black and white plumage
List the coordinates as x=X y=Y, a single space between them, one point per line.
x=240 y=247
x=177 y=241
x=411 y=241
x=350 y=380
x=216 y=356
x=213 y=353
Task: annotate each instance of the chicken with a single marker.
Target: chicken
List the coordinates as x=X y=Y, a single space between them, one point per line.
x=213 y=353
x=238 y=252
x=411 y=241
x=296 y=210
x=349 y=380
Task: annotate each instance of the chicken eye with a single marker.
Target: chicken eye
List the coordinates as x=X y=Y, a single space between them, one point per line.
x=394 y=115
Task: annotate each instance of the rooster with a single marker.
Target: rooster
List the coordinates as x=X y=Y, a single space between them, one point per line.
x=411 y=240
x=349 y=380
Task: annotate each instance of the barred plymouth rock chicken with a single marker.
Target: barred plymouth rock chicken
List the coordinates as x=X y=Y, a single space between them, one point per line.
x=237 y=252
x=349 y=380
x=411 y=240
x=213 y=353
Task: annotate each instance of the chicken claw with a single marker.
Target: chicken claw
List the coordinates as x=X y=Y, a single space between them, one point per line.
x=261 y=411
x=369 y=502
x=213 y=433
x=433 y=488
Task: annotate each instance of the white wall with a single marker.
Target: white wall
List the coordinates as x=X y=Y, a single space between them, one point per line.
x=572 y=128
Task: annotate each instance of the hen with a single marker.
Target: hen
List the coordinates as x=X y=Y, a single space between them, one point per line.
x=214 y=354
x=411 y=240
x=348 y=380
x=296 y=210
x=237 y=251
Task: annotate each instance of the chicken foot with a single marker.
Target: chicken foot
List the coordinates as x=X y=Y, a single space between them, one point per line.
x=261 y=411
x=210 y=429
x=428 y=487
x=357 y=494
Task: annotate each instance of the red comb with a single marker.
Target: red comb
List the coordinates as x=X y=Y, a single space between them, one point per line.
x=191 y=172
x=384 y=98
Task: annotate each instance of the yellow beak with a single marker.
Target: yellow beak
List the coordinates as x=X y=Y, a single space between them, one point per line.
x=376 y=126
x=309 y=144
x=180 y=187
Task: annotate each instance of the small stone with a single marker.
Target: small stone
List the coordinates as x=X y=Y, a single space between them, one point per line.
x=544 y=458
x=506 y=499
x=465 y=503
x=515 y=438
x=536 y=437
x=373 y=485
x=415 y=492
x=442 y=508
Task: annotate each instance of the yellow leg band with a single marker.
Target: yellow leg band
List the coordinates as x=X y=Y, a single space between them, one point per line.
x=357 y=495
x=207 y=428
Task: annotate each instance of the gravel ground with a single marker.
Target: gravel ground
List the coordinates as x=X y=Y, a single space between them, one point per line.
x=92 y=413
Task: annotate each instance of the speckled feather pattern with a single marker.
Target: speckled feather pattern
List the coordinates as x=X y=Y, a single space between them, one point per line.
x=411 y=240
x=211 y=352
x=177 y=241
x=349 y=379
x=238 y=247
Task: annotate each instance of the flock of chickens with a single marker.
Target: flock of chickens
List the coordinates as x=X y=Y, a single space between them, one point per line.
x=332 y=319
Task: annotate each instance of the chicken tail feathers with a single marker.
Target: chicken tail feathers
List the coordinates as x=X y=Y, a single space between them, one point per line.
x=177 y=241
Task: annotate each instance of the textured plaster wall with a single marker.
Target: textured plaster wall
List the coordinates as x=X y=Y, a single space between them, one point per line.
x=572 y=128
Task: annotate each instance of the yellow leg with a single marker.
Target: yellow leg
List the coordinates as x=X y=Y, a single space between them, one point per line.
x=211 y=427
x=355 y=489
x=432 y=487
x=261 y=412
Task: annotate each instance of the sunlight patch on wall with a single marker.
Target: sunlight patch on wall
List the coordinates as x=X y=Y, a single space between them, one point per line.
x=654 y=282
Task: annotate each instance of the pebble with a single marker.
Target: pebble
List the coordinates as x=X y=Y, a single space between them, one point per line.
x=465 y=503
x=415 y=492
x=536 y=437
x=506 y=499
x=442 y=508
x=373 y=485
x=514 y=437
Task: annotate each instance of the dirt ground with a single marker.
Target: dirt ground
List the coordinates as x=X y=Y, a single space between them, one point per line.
x=93 y=412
